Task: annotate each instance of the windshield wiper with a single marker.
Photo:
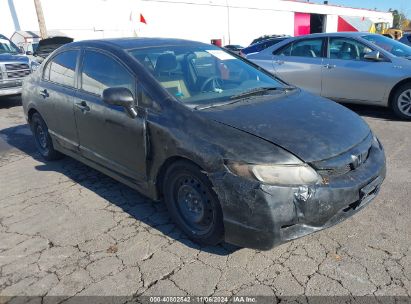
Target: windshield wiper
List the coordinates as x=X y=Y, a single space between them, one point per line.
x=238 y=97
x=213 y=105
x=257 y=91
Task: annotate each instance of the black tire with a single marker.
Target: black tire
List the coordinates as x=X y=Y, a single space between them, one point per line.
x=193 y=204
x=401 y=102
x=42 y=138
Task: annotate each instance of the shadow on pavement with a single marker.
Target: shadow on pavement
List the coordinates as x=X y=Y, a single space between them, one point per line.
x=373 y=111
x=129 y=200
x=20 y=138
x=7 y=102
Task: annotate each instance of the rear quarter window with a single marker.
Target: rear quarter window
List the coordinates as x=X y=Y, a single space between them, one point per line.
x=61 y=69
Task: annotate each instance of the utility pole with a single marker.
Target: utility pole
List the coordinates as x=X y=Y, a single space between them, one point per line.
x=40 y=18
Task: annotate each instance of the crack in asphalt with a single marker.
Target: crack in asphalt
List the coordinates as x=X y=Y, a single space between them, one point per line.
x=68 y=230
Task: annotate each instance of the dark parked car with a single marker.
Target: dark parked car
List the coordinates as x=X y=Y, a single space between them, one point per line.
x=406 y=39
x=266 y=37
x=262 y=45
x=236 y=154
x=234 y=48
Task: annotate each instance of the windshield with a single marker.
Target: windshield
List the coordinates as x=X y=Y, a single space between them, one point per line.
x=6 y=46
x=390 y=45
x=202 y=75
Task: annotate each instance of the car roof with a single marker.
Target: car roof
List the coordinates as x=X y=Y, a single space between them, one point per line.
x=286 y=40
x=270 y=39
x=252 y=46
x=321 y=35
x=281 y=44
x=346 y=34
x=136 y=42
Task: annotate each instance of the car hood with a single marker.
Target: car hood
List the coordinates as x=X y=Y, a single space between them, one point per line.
x=14 y=58
x=48 y=45
x=311 y=127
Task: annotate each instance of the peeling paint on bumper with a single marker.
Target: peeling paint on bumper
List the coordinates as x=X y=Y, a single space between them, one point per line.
x=263 y=216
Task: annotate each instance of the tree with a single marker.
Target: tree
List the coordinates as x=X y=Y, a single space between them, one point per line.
x=400 y=21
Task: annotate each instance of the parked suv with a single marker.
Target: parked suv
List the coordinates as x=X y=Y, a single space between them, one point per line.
x=13 y=67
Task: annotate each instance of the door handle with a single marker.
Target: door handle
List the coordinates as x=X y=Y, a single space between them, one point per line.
x=82 y=106
x=330 y=66
x=44 y=93
x=279 y=62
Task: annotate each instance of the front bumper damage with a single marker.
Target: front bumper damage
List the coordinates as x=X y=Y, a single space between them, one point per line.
x=263 y=216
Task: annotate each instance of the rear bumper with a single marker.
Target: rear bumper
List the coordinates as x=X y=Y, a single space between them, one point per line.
x=262 y=216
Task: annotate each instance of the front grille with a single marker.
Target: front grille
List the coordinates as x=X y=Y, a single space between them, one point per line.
x=17 y=70
x=18 y=74
x=335 y=171
x=346 y=162
x=17 y=66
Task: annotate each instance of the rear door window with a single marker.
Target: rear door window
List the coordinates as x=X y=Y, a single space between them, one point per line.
x=311 y=48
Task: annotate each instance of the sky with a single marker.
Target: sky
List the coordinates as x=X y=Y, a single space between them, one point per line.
x=381 y=5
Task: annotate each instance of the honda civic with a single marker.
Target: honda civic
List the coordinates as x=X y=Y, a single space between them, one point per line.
x=236 y=154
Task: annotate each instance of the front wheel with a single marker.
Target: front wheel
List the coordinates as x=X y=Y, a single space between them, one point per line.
x=192 y=203
x=42 y=138
x=401 y=103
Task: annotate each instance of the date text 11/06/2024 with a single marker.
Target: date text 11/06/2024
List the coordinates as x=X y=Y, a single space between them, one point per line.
x=199 y=299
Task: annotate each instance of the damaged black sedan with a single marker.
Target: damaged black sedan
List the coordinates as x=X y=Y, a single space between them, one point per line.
x=235 y=153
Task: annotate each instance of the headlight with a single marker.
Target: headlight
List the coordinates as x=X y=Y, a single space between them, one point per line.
x=301 y=174
x=34 y=65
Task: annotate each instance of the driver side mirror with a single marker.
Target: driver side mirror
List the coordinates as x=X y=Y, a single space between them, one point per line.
x=120 y=97
x=373 y=56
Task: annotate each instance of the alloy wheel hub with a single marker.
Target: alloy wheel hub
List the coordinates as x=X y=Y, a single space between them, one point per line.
x=404 y=102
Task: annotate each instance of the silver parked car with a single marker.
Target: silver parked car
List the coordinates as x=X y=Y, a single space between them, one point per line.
x=348 y=67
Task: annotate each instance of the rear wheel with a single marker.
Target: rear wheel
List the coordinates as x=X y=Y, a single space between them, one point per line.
x=192 y=203
x=42 y=138
x=401 y=103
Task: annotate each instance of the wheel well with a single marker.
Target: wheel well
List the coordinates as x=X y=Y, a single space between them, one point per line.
x=395 y=88
x=30 y=113
x=163 y=170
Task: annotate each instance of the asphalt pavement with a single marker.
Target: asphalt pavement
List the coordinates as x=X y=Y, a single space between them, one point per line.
x=67 y=230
